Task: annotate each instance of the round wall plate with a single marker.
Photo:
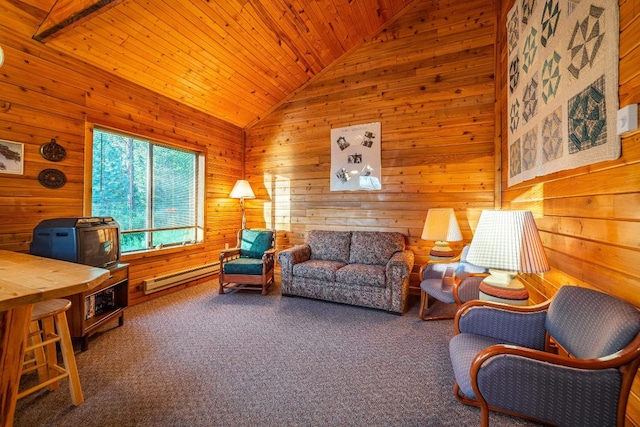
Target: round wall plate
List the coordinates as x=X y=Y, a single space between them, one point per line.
x=53 y=151
x=52 y=178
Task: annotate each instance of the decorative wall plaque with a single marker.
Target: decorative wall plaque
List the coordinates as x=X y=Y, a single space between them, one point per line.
x=53 y=151
x=52 y=178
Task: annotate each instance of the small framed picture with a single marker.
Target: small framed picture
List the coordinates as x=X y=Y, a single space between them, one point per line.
x=11 y=157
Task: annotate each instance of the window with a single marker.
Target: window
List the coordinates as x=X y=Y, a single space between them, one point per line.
x=155 y=192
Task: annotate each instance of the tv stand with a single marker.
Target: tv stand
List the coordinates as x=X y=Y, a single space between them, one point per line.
x=106 y=302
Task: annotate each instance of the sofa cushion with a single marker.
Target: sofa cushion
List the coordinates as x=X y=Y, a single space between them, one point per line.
x=329 y=245
x=374 y=247
x=362 y=275
x=318 y=269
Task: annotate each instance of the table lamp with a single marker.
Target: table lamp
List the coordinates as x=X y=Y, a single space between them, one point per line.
x=441 y=226
x=507 y=243
x=242 y=190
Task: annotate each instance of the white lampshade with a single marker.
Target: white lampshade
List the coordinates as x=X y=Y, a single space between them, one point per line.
x=507 y=242
x=242 y=190
x=441 y=226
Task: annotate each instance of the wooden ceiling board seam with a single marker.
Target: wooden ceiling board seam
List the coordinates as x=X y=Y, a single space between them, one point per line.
x=158 y=83
x=113 y=52
x=261 y=52
x=354 y=37
x=348 y=53
x=51 y=64
x=169 y=50
x=320 y=27
x=20 y=21
x=326 y=30
x=304 y=56
x=366 y=11
x=301 y=71
x=258 y=57
x=216 y=86
x=336 y=23
x=202 y=36
x=296 y=18
x=284 y=55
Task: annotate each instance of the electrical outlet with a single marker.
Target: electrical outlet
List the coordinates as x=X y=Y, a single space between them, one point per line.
x=628 y=119
x=226 y=246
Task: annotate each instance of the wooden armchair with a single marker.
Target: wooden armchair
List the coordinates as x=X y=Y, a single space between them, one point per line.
x=250 y=265
x=454 y=281
x=503 y=359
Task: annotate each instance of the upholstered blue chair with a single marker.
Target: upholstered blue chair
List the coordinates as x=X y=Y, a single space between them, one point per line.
x=451 y=282
x=568 y=362
x=250 y=265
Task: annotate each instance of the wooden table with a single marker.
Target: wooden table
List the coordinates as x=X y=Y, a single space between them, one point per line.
x=24 y=280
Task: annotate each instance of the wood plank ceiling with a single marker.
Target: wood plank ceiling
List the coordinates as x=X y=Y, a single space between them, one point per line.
x=233 y=59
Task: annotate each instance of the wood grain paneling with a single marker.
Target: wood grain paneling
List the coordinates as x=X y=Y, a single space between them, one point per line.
x=434 y=77
x=429 y=79
x=588 y=216
x=54 y=96
x=232 y=59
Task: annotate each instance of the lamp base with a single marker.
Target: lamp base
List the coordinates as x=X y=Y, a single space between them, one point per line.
x=502 y=286
x=442 y=250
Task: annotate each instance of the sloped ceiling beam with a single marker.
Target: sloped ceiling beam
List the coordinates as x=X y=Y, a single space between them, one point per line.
x=66 y=14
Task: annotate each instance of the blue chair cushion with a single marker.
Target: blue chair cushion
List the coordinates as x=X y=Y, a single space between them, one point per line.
x=255 y=243
x=591 y=324
x=437 y=289
x=463 y=348
x=251 y=266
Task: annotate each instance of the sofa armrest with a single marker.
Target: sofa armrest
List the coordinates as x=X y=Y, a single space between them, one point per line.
x=290 y=257
x=398 y=270
x=402 y=262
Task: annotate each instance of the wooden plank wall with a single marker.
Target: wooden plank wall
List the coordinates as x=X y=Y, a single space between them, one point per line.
x=588 y=217
x=429 y=79
x=44 y=95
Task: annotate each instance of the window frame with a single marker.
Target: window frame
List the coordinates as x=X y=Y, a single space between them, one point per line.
x=200 y=188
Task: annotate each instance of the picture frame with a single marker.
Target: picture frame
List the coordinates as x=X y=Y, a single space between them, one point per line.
x=356 y=163
x=11 y=157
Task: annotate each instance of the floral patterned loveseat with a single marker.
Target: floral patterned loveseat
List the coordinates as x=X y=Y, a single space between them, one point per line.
x=366 y=268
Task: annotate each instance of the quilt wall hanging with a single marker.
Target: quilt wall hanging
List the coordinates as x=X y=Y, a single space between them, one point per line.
x=355 y=158
x=563 y=85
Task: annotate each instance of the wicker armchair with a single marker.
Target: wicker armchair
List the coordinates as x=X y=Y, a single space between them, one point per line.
x=506 y=358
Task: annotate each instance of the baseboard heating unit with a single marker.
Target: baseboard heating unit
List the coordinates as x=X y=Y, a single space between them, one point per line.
x=179 y=277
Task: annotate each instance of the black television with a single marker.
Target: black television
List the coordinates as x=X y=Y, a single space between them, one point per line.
x=93 y=241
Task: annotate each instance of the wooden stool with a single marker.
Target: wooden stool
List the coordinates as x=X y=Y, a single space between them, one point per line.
x=49 y=326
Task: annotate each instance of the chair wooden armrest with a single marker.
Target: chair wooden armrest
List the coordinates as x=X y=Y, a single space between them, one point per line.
x=491 y=304
x=457 y=281
x=227 y=253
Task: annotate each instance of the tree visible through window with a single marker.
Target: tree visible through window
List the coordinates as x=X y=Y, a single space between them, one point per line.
x=154 y=192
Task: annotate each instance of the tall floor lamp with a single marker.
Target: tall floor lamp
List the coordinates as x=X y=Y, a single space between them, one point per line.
x=242 y=190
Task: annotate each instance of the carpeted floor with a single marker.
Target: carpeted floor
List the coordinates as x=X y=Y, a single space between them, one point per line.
x=196 y=358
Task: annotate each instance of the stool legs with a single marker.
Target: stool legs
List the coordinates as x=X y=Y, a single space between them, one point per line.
x=69 y=358
x=44 y=332
x=50 y=355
